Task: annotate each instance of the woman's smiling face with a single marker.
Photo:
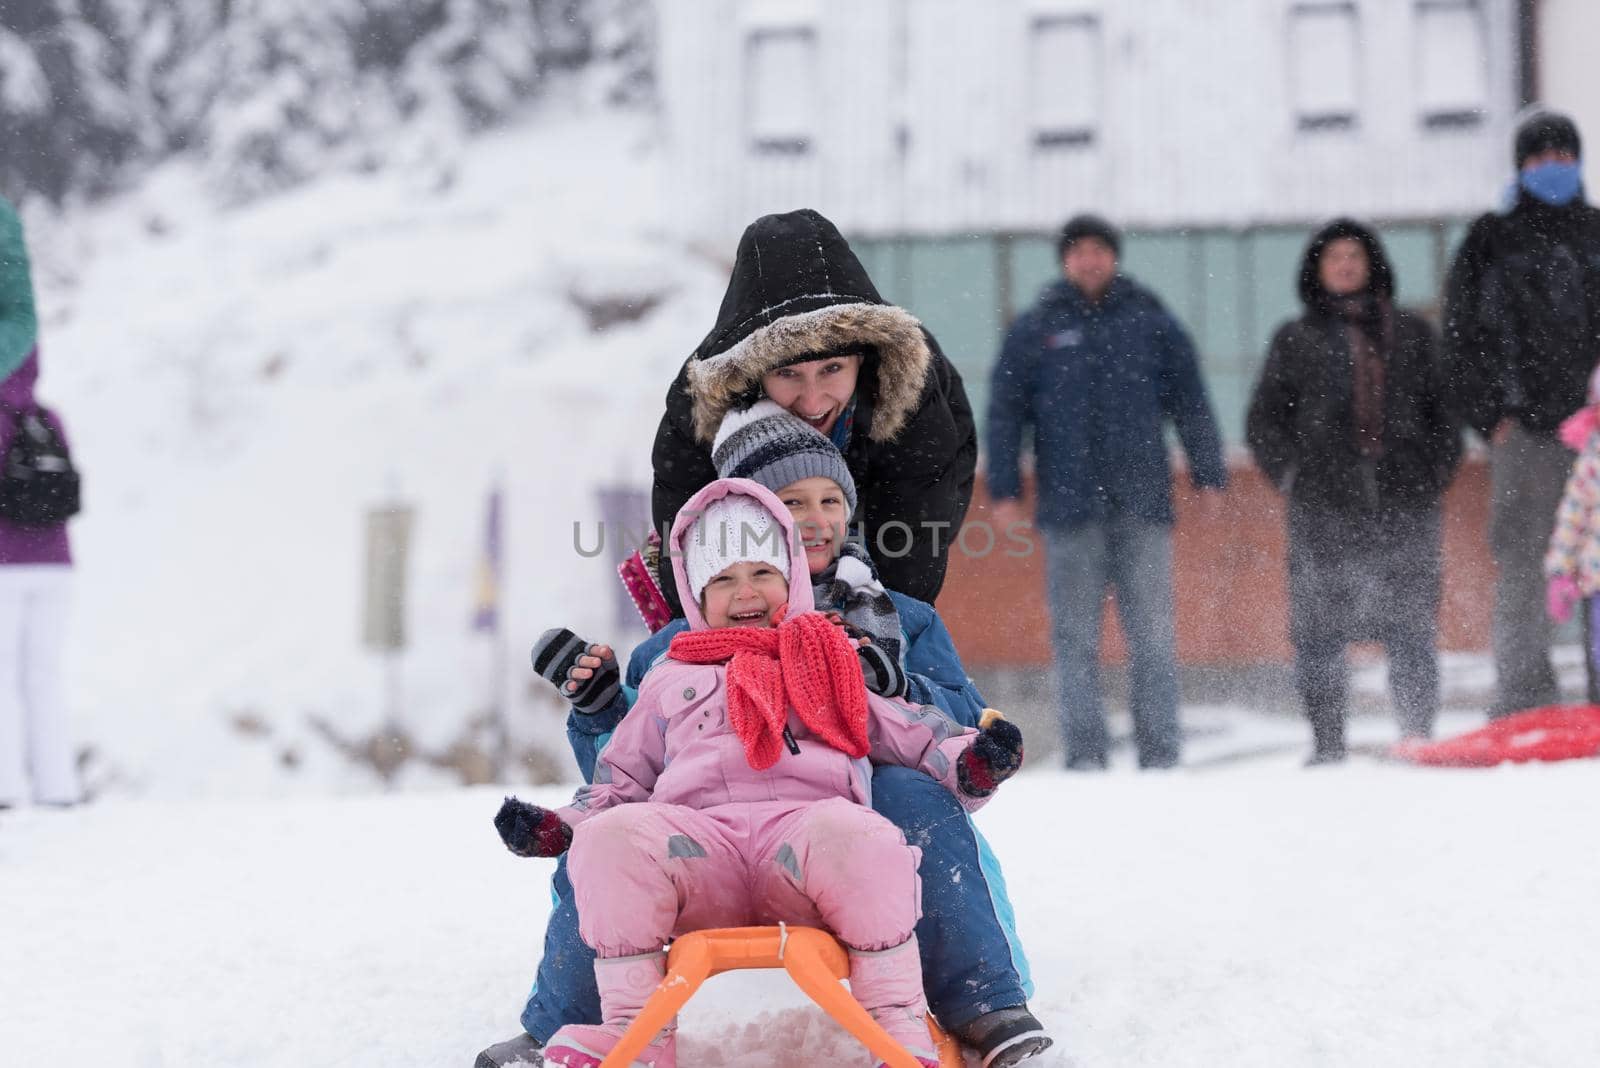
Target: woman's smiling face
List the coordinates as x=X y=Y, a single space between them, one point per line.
x=817 y=391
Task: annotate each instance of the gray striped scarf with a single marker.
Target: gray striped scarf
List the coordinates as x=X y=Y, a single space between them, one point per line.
x=850 y=587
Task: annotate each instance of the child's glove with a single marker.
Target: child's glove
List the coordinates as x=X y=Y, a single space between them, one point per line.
x=882 y=672
x=531 y=831
x=992 y=758
x=1561 y=593
x=556 y=654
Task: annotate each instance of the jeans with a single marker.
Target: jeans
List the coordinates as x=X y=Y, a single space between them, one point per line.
x=972 y=963
x=1526 y=476
x=1134 y=557
x=1366 y=576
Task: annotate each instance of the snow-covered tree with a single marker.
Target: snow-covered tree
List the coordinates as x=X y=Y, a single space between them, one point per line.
x=269 y=92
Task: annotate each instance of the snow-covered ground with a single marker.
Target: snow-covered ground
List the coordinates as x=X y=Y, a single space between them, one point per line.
x=1363 y=916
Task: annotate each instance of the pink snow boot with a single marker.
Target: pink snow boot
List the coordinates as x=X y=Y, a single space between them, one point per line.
x=626 y=983
x=889 y=986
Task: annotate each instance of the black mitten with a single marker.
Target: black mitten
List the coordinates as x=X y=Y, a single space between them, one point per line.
x=556 y=653
x=531 y=831
x=992 y=758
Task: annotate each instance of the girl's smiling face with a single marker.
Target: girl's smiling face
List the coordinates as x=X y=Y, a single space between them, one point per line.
x=821 y=518
x=745 y=594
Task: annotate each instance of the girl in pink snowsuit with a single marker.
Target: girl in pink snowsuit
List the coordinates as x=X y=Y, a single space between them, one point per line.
x=736 y=790
x=1572 y=561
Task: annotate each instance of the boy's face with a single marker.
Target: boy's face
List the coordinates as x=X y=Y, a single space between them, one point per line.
x=744 y=595
x=821 y=516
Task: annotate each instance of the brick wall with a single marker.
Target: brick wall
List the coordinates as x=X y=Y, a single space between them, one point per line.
x=1230 y=581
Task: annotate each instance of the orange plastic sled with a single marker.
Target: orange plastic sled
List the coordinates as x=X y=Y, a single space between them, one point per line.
x=813 y=958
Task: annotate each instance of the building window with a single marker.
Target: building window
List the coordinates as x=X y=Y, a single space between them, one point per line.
x=1324 y=65
x=781 y=89
x=1452 y=63
x=1064 y=78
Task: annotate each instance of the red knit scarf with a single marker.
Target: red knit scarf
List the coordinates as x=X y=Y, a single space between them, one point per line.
x=805 y=663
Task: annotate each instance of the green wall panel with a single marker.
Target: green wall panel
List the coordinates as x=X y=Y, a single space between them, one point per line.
x=1230 y=288
x=1218 y=326
x=1034 y=265
x=1414 y=255
x=1270 y=288
x=1164 y=262
x=955 y=286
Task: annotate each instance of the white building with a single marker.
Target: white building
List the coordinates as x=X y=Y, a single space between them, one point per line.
x=948 y=116
x=950 y=138
x=1566 y=75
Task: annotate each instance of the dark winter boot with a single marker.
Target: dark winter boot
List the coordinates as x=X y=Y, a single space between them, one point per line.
x=1327 y=732
x=888 y=984
x=1004 y=1037
x=626 y=983
x=512 y=1053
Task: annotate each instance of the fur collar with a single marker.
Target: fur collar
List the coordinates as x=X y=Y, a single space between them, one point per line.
x=718 y=384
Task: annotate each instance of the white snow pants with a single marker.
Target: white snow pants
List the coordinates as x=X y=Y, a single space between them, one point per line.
x=34 y=742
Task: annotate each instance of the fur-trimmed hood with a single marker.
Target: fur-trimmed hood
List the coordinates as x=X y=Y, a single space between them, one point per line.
x=798 y=292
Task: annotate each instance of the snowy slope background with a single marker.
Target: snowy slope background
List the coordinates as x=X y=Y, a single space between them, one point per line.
x=242 y=383
x=296 y=259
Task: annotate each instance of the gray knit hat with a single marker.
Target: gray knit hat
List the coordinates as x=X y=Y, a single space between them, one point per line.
x=769 y=445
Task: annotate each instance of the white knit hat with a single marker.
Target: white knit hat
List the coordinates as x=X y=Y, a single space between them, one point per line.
x=732 y=530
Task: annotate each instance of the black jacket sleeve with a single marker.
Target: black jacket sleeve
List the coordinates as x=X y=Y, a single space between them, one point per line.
x=1184 y=401
x=1270 y=423
x=1011 y=410
x=682 y=467
x=1440 y=429
x=915 y=491
x=1470 y=357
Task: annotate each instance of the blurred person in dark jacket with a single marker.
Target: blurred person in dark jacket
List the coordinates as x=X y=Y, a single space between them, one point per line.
x=1348 y=420
x=1521 y=334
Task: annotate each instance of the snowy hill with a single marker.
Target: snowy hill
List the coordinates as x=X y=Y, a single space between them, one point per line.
x=242 y=383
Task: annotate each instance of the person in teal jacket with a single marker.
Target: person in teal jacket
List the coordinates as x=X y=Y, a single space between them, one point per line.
x=973 y=967
x=36 y=752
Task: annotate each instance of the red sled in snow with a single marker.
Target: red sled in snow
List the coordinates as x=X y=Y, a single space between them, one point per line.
x=1555 y=732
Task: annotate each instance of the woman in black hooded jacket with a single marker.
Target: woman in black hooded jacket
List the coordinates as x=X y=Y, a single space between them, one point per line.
x=799 y=302
x=1349 y=421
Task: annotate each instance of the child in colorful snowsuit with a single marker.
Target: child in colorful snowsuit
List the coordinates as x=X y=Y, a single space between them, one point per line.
x=751 y=764
x=1572 y=562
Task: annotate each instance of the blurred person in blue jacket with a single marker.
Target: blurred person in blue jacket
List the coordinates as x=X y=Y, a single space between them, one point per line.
x=1096 y=368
